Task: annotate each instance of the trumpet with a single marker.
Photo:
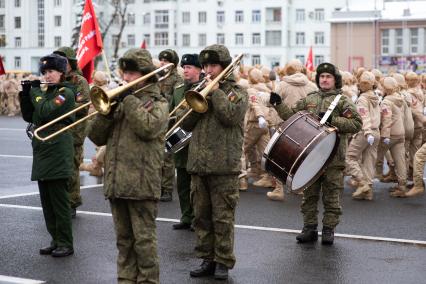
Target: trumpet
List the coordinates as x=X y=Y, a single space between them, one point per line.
x=199 y=86
x=197 y=100
x=102 y=101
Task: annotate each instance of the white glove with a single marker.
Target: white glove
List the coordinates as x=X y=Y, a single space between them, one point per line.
x=262 y=122
x=370 y=139
x=386 y=141
x=354 y=98
x=424 y=111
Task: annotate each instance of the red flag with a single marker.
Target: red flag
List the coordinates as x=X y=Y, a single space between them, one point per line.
x=2 y=71
x=310 y=61
x=143 y=45
x=90 y=41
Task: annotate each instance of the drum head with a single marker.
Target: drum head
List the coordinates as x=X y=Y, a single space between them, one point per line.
x=314 y=162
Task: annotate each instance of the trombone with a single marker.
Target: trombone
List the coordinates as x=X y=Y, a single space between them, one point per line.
x=102 y=101
x=199 y=86
x=197 y=100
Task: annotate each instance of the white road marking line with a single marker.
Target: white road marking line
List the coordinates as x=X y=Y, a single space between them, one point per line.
x=30 y=157
x=10 y=279
x=257 y=228
x=36 y=192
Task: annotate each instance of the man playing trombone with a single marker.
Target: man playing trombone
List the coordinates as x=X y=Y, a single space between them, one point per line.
x=214 y=163
x=133 y=132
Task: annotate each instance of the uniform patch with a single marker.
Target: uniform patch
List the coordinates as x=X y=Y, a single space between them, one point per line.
x=385 y=111
x=78 y=97
x=253 y=98
x=362 y=111
x=38 y=98
x=149 y=105
x=347 y=113
x=232 y=96
x=59 y=100
x=311 y=106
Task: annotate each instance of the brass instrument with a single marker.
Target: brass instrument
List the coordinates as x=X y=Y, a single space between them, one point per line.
x=102 y=101
x=199 y=86
x=197 y=100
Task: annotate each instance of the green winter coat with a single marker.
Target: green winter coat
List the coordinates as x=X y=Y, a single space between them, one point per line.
x=52 y=159
x=134 y=139
x=217 y=135
x=344 y=117
x=168 y=84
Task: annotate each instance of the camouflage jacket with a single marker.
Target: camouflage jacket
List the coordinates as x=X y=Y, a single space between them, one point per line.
x=168 y=84
x=81 y=89
x=134 y=139
x=217 y=135
x=344 y=117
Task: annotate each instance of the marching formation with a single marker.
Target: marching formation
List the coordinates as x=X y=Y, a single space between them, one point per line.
x=214 y=122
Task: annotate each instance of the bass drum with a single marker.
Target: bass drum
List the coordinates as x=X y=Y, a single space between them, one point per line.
x=177 y=140
x=300 y=150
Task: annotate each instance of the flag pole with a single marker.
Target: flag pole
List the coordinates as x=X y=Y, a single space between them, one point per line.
x=106 y=64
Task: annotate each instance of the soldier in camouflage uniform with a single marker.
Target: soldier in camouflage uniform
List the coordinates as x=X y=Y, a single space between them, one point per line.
x=347 y=120
x=166 y=87
x=214 y=163
x=74 y=76
x=192 y=73
x=52 y=160
x=134 y=133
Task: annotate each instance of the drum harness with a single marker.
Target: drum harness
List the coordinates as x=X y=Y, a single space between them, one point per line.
x=330 y=109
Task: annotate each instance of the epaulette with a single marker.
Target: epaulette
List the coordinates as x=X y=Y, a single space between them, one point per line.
x=180 y=86
x=61 y=90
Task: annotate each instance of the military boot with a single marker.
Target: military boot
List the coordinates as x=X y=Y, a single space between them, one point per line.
x=327 y=236
x=206 y=268
x=400 y=191
x=265 y=181
x=221 y=272
x=361 y=191
x=369 y=194
x=166 y=196
x=309 y=234
x=243 y=183
x=416 y=190
x=391 y=177
x=353 y=183
x=277 y=194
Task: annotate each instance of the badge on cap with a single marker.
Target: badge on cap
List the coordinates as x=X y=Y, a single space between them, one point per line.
x=206 y=55
x=44 y=62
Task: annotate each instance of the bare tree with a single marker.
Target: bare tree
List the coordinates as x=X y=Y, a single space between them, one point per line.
x=121 y=10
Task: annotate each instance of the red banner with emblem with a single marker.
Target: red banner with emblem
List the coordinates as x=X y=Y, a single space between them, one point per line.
x=90 y=41
x=2 y=70
x=310 y=61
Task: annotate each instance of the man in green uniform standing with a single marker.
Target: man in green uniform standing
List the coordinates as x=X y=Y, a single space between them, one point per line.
x=134 y=134
x=347 y=120
x=166 y=87
x=82 y=90
x=214 y=163
x=52 y=159
x=191 y=74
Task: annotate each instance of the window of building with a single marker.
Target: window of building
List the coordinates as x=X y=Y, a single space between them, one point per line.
x=114 y=40
x=255 y=16
x=318 y=60
x=1 y=3
x=17 y=22
x=162 y=20
x=220 y=17
x=273 y=15
x=57 y=41
x=273 y=38
x=58 y=21
x=18 y=42
x=186 y=17
x=131 y=40
x=255 y=39
x=301 y=58
x=17 y=62
x=186 y=39
x=202 y=39
x=239 y=39
x=385 y=42
x=147 y=18
x=220 y=38
x=131 y=18
x=255 y=60
x=161 y=39
x=239 y=16
x=300 y=38
x=398 y=41
x=57 y=3
x=300 y=15
x=40 y=23
x=319 y=38
x=414 y=40
x=319 y=15
x=202 y=17
x=2 y=17
x=2 y=40
x=147 y=38
x=17 y=3
x=131 y=1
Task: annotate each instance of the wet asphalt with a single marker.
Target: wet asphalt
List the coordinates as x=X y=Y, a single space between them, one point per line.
x=264 y=252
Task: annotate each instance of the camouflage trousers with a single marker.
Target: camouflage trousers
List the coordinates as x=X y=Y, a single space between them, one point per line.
x=419 y=164
x=135 y=229
x=74 y=181
x=168 y=173
x=330 y=184
x=214 y=199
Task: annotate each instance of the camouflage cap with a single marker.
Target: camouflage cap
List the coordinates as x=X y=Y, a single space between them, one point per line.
x=67 y=52
x=170 y=55
x=331 y=69
x=135 y=59
x=215 y=54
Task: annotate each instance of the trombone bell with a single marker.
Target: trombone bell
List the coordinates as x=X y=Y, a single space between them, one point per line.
x=196 y=101
x=100 y=100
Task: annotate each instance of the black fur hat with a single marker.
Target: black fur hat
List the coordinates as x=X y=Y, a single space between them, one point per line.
x=331 y=69
x=190 y=59
x=53 y=61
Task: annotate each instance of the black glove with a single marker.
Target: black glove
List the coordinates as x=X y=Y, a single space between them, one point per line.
x=26 y=87
x=275 y=99
x=124 y=94
x=321 y=114
x=35 y=83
